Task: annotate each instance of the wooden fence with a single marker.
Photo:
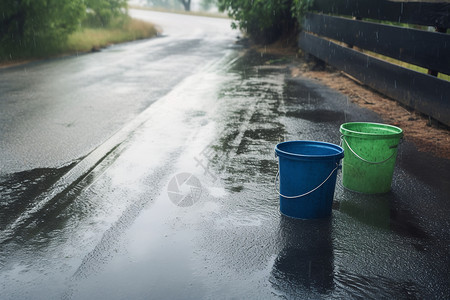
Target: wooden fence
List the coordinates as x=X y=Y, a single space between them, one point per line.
x=336 y=31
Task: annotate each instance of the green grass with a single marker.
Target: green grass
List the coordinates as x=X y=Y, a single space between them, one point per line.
x=87 y=39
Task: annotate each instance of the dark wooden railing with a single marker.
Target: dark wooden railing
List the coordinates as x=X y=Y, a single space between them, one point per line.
x=336 y=30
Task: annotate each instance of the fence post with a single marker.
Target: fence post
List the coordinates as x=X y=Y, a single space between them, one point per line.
x=441 y=30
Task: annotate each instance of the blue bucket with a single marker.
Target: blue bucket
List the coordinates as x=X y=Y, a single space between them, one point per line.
x=307 y=171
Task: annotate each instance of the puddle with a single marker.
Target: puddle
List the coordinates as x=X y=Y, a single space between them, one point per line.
x=18 y=190
x=316 y=116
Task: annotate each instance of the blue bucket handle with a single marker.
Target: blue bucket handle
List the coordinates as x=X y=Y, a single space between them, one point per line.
x=368 y=161
x=338 y=166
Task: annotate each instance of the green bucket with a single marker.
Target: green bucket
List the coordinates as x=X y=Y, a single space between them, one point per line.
x=370 y=153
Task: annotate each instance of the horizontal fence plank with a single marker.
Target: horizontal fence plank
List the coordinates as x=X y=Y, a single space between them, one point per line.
x=430 y=50
x=421 y=92
x=429 y=14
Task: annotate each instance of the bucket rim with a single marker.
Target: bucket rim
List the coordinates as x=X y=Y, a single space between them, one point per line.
x=339 y=151
x=396 y=131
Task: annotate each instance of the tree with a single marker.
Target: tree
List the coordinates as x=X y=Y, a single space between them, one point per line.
x=186 y=4
x=34 y=27
x=263 y=20
x=299 y=8
x=101 y=12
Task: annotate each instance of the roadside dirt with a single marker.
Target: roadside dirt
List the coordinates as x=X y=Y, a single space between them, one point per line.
x=427 y=135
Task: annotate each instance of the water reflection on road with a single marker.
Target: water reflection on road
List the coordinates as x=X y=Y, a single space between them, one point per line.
x=120 y=236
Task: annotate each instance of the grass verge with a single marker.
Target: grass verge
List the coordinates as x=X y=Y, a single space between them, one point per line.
x=89 y=38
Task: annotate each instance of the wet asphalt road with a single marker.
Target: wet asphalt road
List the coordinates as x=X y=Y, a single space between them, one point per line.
x=126 y=229
x=57 y=111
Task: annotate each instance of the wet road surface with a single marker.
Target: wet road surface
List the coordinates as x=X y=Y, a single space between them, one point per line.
x=57 y=111
x=128 y=228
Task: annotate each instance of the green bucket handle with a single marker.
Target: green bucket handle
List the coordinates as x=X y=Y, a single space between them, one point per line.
x=365 y=160
x=338 y=166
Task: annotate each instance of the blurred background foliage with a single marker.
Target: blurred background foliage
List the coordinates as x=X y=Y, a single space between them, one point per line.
x=40 y=28
x=33 y=28
x=265 y=20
